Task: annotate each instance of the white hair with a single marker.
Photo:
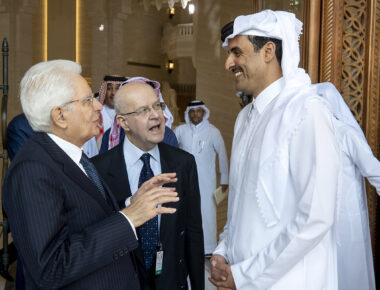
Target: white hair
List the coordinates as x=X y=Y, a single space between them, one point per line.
x=44 y=86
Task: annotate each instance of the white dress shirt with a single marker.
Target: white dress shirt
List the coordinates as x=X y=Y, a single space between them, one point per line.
x=299 y=251
x=134 y=165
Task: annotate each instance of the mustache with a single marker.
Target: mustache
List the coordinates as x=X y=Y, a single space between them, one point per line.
x=236 y=69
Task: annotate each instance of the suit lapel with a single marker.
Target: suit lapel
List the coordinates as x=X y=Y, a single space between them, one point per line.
x=71 y=169
x=118 y=172
x=167 y=166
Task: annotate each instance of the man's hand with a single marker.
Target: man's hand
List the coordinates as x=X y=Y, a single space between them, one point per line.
x=149 y=196
x=221 y=275
x=224 y=187
x=154 y=182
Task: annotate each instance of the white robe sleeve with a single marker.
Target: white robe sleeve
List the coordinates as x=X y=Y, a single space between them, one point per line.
x=314 y=170
x=362 y=156
x=222 y=155
x=221 y=248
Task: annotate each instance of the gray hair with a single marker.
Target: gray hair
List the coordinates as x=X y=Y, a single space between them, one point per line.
x=44 y=86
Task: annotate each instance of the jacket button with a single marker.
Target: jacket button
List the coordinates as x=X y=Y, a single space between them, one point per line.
x=182 y=233
x=180 y=261
x=121 y=253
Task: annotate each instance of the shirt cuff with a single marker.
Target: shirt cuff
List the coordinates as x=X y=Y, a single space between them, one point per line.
x=127 y=202
x=132 y=226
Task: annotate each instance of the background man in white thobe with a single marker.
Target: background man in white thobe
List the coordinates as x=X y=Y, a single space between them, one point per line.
x=204 y=141
x=285 y=165
x=355 y=260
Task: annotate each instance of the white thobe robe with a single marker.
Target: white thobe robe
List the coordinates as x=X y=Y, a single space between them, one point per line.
x=299 y=251
x=108 y=116
x=355 y=262
x=204 y=141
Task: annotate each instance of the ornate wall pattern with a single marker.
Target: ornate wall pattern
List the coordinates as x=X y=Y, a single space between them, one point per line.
x=331 y=42
x=372 y=113
x=353 y=58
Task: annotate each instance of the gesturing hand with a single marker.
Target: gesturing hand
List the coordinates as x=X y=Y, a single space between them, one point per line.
x=155 y=182
x=145 y=201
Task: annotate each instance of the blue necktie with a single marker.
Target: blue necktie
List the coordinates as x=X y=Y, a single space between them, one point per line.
x=149 y=230
x=92 y=174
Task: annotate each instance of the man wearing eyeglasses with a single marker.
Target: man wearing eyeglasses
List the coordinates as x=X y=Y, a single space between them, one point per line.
x=66 y=224
x=171 y=248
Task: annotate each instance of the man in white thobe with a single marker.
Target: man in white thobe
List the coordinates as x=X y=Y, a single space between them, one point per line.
x=355 y=262
x=204 y=141
x=284 y=170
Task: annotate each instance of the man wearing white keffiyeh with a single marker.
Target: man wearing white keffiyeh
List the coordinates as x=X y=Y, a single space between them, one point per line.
x=285 y=165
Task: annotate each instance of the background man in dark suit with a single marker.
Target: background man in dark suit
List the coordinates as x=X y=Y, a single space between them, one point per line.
x=64 y=220
x=180 y=237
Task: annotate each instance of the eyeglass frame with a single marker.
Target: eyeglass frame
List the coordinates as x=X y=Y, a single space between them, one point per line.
x=86 y=100
x=144 y=111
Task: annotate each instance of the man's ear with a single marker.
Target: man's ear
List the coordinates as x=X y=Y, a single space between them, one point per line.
x=123 y=123
x=269 y=51
x=58 y=117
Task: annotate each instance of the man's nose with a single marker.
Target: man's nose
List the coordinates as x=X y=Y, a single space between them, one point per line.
x=229 y=64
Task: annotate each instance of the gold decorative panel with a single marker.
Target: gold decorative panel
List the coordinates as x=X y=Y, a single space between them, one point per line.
x=353 y=58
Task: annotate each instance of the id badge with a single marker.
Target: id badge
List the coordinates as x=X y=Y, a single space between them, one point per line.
x=159 y=259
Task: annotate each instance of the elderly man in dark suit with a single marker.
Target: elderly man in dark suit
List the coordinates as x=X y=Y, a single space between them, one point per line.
x=177 y=240
x=65 y=222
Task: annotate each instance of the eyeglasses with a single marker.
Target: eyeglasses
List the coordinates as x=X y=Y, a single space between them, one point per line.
x=144 y=111
x=85 y=100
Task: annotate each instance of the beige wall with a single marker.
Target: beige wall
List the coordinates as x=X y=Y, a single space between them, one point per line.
x=214 y=84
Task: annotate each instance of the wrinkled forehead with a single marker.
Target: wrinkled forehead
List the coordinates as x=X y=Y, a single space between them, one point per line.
x=239 y=41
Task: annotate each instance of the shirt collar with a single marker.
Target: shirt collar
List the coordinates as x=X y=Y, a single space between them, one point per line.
x=132 y=153
x=268 y=94
x=74 y=152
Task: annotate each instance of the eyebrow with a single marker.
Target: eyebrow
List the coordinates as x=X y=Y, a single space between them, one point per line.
x=235 y=49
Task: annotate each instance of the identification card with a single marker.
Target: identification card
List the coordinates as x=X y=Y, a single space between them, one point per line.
x=159 y=259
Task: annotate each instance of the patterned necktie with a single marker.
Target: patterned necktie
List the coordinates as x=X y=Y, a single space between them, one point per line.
x=149 y=230
x=92 y=173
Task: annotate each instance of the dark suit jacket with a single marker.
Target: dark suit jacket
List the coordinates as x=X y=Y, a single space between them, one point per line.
x=181 y=233
x=67 y=235
x=18 y=131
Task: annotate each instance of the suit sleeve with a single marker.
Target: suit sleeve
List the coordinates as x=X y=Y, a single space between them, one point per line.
x=35 y=200
x=18 y=132
x=194 y=233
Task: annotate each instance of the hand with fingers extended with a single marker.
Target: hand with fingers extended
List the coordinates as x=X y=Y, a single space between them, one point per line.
x=144 y=205
x=155 y=182
x=221 y=275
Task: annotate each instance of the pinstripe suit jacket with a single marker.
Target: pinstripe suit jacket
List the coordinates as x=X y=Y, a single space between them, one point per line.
x=181 y=233
x=67 y=235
